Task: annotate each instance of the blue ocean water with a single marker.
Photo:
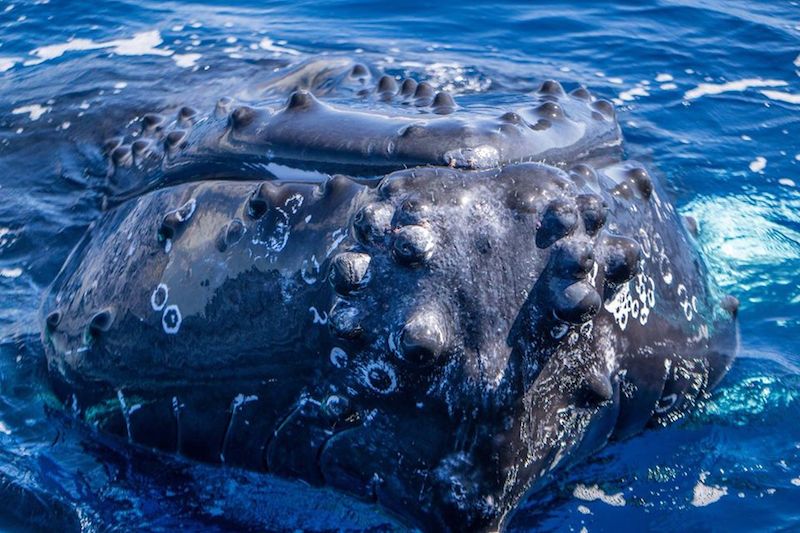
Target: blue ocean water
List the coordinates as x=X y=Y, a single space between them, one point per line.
x=708 y=93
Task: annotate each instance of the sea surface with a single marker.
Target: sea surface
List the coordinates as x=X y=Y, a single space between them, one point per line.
x=708 y=95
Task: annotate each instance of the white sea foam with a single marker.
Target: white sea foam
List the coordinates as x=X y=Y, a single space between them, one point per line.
x=590 y=494
x=186 y=60
x=34 y=110
x=781 y=96
x=143 y=43
x=6 y=63
x=740 y=232
x=270 y=46
x=758 y=164
x=455 y=78
x=705 y=89
x=661 y=78
x=631 y=94
x=787 y=182
x=10 y=272
x=706 y=494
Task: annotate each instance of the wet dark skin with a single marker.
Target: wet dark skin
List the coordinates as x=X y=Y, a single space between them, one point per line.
x=437 y=338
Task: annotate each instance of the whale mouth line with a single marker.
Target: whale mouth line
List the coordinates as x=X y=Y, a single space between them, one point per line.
x=197 y=377
x=252 y=169
x=207 y=169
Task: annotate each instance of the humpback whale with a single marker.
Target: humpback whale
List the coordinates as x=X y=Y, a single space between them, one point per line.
x=354 y=281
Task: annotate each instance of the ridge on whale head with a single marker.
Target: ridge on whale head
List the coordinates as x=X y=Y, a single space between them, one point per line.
x=437 y=343
x=334 y=116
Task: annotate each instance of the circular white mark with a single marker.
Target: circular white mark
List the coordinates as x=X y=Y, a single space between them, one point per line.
x=651 y=294
x=641 y=286
x=620 y=305
x=643 y=314
x=380 y=377
x=685 y=304
x=159 y=297
x=171 y=319
x=635 y=308
x=338 y=357
x=666 y=403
